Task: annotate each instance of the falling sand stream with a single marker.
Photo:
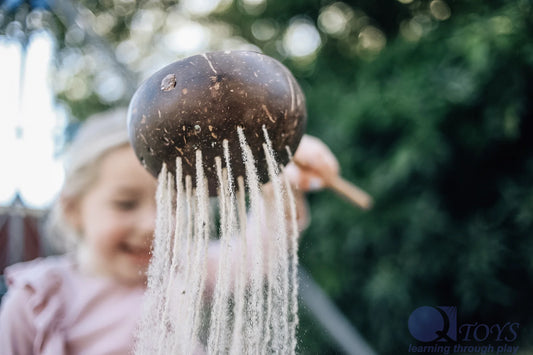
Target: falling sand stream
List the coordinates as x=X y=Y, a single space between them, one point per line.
x=252 y=308
x=217 y=129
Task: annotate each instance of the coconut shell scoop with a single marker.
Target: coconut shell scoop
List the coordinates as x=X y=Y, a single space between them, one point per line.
x=198 y=102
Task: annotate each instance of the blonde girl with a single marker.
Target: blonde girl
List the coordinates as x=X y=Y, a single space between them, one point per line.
x=88 y=301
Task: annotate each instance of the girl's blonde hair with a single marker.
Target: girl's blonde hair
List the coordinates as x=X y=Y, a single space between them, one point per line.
x=99 y=135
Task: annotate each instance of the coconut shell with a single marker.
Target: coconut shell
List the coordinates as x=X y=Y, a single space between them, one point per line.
x=198 y=102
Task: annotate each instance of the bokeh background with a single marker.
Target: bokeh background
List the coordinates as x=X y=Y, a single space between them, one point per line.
x=428 y=106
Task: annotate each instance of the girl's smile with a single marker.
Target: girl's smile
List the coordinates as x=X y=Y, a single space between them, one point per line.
x=139 y=253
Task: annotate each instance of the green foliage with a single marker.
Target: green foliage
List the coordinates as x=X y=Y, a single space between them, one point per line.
x=440 y=132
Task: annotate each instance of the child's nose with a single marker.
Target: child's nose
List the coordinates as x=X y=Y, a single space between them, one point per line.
x=147 y=220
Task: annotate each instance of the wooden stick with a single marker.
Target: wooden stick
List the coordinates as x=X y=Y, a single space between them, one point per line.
x=349 y=191
x=343 y=188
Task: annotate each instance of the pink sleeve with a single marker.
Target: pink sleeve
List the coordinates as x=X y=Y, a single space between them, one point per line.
x=32 y=309
x=17 y=330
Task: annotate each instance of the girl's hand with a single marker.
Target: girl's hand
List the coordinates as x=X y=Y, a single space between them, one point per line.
x=313 y=161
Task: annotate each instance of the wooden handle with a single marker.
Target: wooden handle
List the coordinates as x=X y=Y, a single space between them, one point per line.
x=343 y=188
x=350 y=192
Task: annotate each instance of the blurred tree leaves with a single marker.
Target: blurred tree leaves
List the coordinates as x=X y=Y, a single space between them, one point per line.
x=438 y=130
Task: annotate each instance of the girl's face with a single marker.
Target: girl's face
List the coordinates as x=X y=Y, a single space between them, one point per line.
x=116 y=217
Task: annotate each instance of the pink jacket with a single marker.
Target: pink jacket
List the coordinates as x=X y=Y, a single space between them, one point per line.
x=52 y=309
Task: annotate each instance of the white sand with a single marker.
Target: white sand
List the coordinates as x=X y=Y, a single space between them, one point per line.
x=253 y=306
